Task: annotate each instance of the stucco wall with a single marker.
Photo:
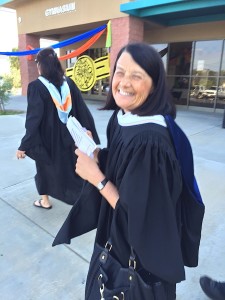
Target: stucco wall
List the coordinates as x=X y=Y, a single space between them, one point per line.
x=192 y=32
x=33 y=19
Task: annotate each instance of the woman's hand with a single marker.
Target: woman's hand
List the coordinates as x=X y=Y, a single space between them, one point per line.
x=87 y=168
x=20 y=154
x=89 y=133
x=96 y=155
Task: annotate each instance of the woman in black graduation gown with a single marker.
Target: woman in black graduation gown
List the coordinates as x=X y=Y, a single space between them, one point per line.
x=52 y=98
x=139 y=177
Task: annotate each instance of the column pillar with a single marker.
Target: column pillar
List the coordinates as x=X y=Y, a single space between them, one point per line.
x=28 y=68
x=125 y=30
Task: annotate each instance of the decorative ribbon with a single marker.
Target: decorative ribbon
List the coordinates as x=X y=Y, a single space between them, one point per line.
x=83 y=48
x=64 y=43
x=29 y=57
x=108 y=42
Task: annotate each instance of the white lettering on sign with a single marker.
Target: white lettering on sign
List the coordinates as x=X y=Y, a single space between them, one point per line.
x=60 y=9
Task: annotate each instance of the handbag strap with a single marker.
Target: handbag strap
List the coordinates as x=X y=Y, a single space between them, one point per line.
x=132 y=260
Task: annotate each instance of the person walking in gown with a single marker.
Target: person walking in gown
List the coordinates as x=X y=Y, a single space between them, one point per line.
x=140 y=190
x=52 y=98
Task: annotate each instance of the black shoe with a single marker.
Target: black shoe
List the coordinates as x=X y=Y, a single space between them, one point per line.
x=213 y=289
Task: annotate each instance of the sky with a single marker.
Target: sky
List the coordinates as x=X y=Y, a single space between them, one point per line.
x=8 y=29
x=9 y=37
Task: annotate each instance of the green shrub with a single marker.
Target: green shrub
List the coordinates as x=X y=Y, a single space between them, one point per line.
x=15 y=70
x=6 y=84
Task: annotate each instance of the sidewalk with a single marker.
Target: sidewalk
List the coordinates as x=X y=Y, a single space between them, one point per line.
x=31 y=269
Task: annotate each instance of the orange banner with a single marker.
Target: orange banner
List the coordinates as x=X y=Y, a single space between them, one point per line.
x=83 y=48
x=76 y=52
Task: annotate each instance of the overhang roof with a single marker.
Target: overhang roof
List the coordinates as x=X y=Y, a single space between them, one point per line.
x=12 y=3
x=3 y=2
x=176 y=12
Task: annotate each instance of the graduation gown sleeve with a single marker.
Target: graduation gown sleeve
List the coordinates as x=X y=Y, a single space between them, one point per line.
x=35 y=110
x=32 y=141
x=82 y=218
x=149 y=193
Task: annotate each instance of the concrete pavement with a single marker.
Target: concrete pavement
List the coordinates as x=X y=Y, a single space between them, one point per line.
x=31 y=269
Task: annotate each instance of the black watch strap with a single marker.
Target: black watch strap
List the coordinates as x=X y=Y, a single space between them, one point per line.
x=102 y=184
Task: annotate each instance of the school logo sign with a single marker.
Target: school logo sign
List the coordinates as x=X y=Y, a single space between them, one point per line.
x=87 y=71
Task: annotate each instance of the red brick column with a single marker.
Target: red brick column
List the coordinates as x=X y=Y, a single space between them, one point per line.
x=28 y=68
x=125 y=30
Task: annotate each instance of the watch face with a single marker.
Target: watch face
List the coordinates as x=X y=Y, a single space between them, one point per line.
x=100 y=186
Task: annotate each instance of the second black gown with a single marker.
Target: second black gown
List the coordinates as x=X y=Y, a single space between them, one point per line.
x=48 y=142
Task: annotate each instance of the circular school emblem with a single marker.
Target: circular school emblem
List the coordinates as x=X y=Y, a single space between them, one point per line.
x=84 y=73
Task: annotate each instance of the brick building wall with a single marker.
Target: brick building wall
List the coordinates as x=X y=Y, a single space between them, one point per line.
x=28 y=68
x=124 y=30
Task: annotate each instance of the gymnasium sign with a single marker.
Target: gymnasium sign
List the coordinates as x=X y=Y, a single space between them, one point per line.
x=57 y=10
x=87 y=71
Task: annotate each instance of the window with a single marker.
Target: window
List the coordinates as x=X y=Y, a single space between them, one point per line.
x=180 y=58
x=207 y=58
x=163 y=50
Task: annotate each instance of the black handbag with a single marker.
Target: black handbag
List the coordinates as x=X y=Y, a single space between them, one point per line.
x=108 y=280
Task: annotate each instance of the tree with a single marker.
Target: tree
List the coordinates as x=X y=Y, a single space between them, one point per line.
x=6 y=84
x=15 y=70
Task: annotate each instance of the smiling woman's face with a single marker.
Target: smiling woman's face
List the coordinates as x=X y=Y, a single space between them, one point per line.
x=131 y=85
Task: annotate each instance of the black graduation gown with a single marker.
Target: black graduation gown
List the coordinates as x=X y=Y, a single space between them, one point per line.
x=140 y=160
x=48 y=142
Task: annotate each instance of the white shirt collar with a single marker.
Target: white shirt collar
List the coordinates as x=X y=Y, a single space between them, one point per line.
x=129 y=119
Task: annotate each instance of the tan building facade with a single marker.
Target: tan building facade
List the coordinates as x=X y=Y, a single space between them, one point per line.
x=183 y=30
x=61 y=20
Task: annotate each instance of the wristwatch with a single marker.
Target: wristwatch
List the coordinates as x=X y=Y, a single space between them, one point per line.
x=102 y=184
